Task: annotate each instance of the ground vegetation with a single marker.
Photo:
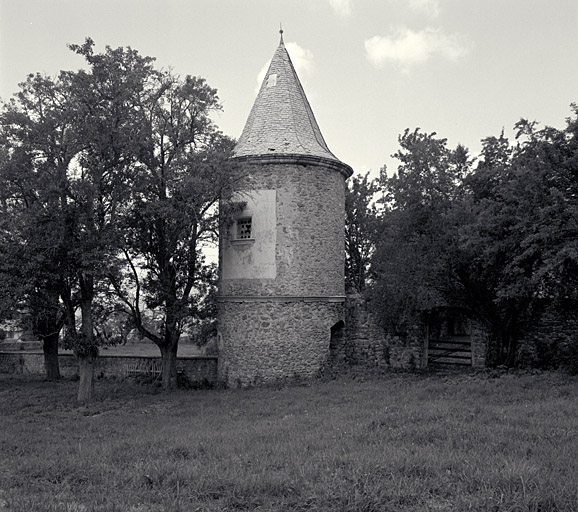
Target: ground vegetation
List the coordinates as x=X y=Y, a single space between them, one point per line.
x=497 y=441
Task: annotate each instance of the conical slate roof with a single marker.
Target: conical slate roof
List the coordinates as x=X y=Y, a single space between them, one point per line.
x=281 y=121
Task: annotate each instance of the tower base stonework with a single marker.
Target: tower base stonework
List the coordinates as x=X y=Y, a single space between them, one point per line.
x=271 y=340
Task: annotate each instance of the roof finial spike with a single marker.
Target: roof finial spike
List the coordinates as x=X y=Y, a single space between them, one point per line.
x=281 y=32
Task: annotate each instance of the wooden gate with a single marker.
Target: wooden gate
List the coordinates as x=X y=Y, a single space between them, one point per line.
x=450 y=350
x=449 y=337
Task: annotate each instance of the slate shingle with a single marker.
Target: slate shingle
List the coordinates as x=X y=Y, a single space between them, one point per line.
x=281 y=120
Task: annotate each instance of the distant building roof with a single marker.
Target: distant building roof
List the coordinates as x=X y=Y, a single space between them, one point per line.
x=281 y=121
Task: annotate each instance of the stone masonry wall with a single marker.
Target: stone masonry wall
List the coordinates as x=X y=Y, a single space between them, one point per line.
x=310 y=232
x=480 y=340
x=551 y=341
x=365 y=343
x=274 y=341
x=364 y=338
x=197 y=370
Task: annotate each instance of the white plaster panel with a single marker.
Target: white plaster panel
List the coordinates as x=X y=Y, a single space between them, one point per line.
x=255 y=258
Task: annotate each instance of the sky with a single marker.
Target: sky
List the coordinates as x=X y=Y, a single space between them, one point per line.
x=465 y=69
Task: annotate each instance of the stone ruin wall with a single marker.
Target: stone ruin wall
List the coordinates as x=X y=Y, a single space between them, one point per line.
x=198 y=371
x=480 y=342
x=551 y=342
x=365 y=343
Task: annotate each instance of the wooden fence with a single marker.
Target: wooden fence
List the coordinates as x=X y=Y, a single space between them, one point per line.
x=450 y=350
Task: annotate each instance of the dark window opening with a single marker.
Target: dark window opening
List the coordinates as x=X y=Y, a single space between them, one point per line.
x=244 y=226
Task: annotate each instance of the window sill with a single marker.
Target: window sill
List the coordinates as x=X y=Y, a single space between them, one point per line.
x=241 y=241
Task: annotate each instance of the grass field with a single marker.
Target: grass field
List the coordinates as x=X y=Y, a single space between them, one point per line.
x=402 y=442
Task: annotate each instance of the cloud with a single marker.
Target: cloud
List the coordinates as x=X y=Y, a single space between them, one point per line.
x=406 y=47
x=429 y=7
x=341 y=7
x=301 y=58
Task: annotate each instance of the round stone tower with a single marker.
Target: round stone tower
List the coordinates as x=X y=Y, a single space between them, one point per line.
x=282 y=258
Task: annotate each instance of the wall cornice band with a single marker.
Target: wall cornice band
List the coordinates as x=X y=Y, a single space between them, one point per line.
x=297 y=159
x=279 y=298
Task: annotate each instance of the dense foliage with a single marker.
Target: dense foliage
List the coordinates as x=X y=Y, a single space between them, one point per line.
x=497 y=235
x=361 y=224
x=110 y=179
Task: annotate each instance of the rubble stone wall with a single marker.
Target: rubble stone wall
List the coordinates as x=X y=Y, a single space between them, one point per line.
x=269 y=341
x=364 y=342
x=197 y=370
x=480 y=341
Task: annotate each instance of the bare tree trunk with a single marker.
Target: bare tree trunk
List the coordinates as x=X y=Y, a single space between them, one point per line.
x=88 y=351
x=170 y=343
x=50 y=349
x=86 y=373
x=169 y=358
x=47 y=322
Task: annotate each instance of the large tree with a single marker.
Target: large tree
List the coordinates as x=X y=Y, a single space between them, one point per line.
x=183 y=171
x=361 y=224
x=120 y=189
x=107 y=103
x=519 y=253
x=414 y=260
x=38 y=142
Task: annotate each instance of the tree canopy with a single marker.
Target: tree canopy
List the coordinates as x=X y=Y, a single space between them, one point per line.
x=111 y=178
x=496 y=235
